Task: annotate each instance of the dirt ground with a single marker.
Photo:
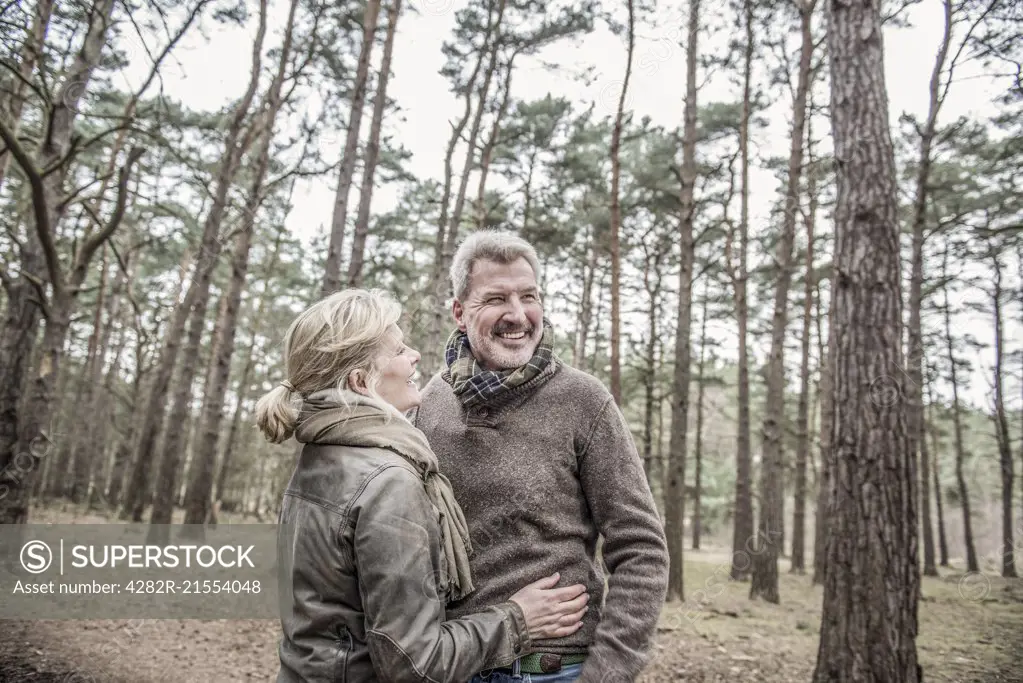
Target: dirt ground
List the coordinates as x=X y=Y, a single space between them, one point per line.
x=971 y=631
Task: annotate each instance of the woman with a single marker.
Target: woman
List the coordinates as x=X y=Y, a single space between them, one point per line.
x=371 y=541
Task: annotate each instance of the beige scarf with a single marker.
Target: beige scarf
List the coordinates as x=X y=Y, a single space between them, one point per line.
x=346 y=418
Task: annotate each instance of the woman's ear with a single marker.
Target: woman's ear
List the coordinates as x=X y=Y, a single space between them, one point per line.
x=357 y=382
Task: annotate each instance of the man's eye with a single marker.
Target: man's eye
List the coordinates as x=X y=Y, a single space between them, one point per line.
x=494 y=300
x=529 y=297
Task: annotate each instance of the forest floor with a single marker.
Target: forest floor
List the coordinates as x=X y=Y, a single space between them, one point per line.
x=971 y=631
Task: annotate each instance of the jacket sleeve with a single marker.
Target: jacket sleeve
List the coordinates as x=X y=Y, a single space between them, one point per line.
x=397 y=555
x=635 y=550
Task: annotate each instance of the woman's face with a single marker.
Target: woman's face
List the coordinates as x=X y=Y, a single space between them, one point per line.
x=398 y=374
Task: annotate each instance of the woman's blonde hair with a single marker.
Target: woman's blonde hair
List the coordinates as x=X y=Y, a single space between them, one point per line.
x=322 y=347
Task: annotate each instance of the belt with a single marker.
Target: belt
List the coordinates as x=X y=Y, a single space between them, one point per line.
x=545 y=663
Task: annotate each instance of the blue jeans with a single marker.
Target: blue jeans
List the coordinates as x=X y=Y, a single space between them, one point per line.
x=568 y=674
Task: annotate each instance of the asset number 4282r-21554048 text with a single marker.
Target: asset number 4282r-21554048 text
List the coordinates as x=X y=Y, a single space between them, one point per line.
x=192 y=587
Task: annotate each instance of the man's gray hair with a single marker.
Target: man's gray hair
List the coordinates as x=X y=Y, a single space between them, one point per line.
x=489 y=245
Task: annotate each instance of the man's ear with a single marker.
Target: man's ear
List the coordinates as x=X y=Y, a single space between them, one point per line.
x=459 y=313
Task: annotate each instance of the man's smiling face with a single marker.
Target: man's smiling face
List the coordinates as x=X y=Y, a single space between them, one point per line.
x=502 y=313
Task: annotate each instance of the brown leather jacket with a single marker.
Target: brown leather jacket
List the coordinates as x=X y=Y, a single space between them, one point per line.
x=359 y=553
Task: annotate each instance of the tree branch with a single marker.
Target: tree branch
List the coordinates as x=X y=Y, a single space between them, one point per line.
x=42 y=214
x=94 y=242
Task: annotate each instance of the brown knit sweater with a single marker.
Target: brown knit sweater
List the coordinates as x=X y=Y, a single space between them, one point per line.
x=539 y=474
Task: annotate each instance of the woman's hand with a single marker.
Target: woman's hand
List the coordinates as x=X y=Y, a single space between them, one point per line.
x=552 y=612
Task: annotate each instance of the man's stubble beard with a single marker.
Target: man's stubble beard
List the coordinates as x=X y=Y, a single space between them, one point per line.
x=491 y=349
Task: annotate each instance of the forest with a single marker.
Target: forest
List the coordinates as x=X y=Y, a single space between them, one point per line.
x=180 y=178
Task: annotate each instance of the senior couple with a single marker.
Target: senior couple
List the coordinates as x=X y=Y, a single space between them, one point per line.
x=451 y=534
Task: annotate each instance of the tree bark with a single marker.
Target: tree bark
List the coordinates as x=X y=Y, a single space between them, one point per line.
x=332 y=270
x=932 y=428
x=652 y=286
x=742 y=530
x=871 y=584
x=674 y=494
x=964 y=494
x=803 y=419
x=372 y=151
x=616 y=220
x=586 y=304
x=1002 y=426
x=771 y=524
x=698 y=446
x=195 y=298
x=824 y=440
x=1019 y=263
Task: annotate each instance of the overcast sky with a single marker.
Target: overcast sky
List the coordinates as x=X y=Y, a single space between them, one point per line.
x=207 y=75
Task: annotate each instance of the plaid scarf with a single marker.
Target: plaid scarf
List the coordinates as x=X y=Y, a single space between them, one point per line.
x=473 y=385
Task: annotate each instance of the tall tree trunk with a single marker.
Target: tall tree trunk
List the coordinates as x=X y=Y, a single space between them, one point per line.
x=244 y=384
x=957 y=424
x=586 y=303
x=488 y=147
x=930 y=426
x=871 y=583
x=659 y=466
x=826 y=357
x=204 y=456
x=527 y=196
x=674 y=494
x=598 y=315
x=1019 y=263
x=98 y=434
x=742 y=531
x=651 y=283
x=372 y=151
x=616 y=220
x=698 y=446
x=197 y=295
x=771 y=525
x=924 y=461
x=438 y=284
x=803 y=419
x=332 y=271
x=913 y=388
x=125 y=447
x=92 y=375
x=451 y=238
x=1002 y=426
x=89 y=450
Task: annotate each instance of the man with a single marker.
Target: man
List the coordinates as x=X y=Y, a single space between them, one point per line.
x=542 y=461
